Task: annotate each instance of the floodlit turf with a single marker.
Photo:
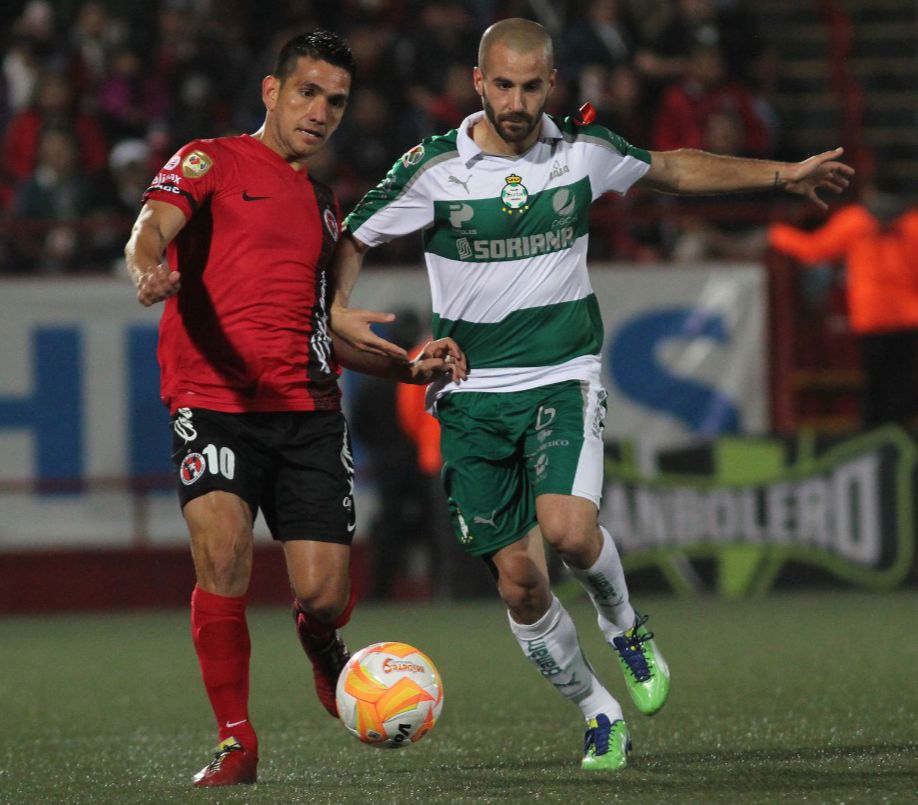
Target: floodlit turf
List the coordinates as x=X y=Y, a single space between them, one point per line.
x=797 y=697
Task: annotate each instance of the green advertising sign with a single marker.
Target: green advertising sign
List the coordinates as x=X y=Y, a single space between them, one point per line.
x=753 y=505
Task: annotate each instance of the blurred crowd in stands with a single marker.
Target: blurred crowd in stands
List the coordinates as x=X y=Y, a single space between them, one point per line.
x=95 y=96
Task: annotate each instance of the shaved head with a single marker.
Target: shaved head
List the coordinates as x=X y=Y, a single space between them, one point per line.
x=519 y=35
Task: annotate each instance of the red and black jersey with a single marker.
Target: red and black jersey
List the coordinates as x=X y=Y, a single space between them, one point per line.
x=248 y=331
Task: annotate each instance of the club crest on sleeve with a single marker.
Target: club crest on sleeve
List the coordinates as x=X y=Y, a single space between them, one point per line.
x=413 y=156
x=331 y=223
x=196 y=164
x=193 y=466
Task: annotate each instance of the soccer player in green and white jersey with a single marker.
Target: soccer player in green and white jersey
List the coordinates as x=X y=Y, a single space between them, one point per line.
x=503 y=202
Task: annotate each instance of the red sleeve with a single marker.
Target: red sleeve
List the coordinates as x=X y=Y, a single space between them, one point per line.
x=189 y=176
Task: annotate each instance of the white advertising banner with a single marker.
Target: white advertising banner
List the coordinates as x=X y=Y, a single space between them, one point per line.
x=79 y=408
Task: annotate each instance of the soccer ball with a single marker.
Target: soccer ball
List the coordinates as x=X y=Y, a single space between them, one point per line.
x=389 y=695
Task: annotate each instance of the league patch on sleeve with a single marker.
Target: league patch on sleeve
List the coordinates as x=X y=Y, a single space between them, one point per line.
x=413 y=156
x=196 y=164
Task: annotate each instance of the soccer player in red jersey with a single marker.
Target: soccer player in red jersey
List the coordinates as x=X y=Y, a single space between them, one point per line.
x=249 y=373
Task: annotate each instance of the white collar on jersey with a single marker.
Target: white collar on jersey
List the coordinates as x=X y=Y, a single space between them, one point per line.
x=468 y=149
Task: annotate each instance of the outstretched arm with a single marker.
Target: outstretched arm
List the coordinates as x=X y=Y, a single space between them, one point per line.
x=352 y=326
x=156 y=225
x=439 y=357
x=697 y=172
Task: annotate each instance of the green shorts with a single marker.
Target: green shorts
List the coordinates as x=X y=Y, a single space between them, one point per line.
x=503 y=449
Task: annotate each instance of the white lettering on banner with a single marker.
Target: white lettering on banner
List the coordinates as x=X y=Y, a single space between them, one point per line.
x=838 y=511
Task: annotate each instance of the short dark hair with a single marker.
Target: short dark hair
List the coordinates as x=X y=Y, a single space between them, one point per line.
x=320 y=45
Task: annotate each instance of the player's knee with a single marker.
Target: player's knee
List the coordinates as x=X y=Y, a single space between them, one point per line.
x=324 y=603
x=576 y=544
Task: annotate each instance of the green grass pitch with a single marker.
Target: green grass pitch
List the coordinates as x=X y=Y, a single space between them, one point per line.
x=797 y=697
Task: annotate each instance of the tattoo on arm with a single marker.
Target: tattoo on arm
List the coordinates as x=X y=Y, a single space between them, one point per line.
x=779 y=182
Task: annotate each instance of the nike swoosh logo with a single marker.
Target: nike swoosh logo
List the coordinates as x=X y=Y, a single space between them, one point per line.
x=247 y=197
x=235 y=723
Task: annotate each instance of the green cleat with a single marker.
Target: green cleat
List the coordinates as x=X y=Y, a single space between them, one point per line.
x=606 y=744
x=645 y=670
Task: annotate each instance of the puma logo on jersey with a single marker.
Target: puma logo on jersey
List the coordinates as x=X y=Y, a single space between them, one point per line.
x=465 y=184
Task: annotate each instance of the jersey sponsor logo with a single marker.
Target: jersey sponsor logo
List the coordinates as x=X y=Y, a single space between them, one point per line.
x=156 y=187
x=320 y=342
x=347 y=460
x=514 y=195
x=193 y=467
x=196 y=164
x=557 y=169
x=247 y=197
x=413 y=156
x=331 y=223
x=183 y=426
x=466 y=537
x=459 y=214
x=563 y=201
x=511 y=248
x=553 y=443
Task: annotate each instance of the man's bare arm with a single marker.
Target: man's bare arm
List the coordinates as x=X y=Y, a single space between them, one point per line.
x=156 y=225
x=690 y=171
x=439 y=357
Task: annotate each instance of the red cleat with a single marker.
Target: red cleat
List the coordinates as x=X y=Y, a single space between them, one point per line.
x=328 y=655
x=232 y=765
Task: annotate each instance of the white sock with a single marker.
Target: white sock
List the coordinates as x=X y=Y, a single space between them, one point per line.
x=552 y=645
x=605 y=584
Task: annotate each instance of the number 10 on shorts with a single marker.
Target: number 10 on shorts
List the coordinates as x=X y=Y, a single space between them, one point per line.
x=220 y=461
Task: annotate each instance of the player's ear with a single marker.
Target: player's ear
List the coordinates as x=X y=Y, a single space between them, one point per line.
x=478 y=80
x=270 y=87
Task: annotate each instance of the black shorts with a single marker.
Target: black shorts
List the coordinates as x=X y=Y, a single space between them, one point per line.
x=296 y=466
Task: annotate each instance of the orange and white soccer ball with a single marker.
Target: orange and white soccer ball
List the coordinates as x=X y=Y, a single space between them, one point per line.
x=389 y=695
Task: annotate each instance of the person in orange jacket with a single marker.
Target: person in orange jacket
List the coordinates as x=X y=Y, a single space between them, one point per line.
x=878 y=241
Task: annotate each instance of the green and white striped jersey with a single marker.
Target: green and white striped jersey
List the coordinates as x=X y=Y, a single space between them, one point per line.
x=505 y=241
